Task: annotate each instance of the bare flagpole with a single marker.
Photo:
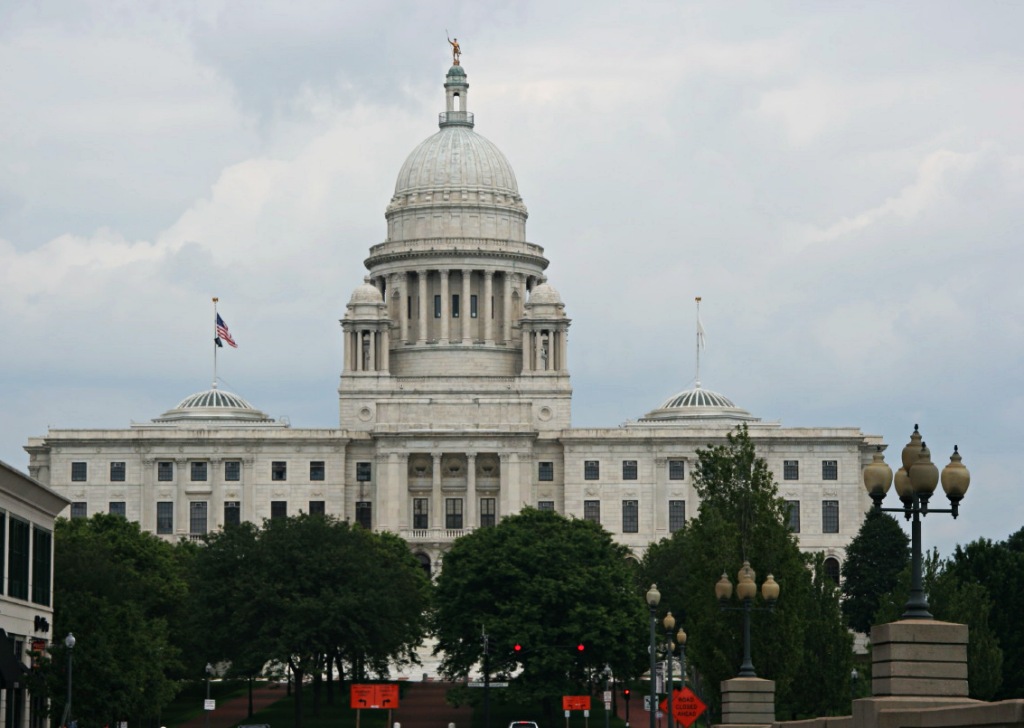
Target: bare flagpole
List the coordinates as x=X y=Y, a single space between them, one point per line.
x=700 y=340
x=215 y=299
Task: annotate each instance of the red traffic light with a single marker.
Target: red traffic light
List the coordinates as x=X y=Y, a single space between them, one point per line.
x=517 y=647
x=626 y=693
x=580 y=647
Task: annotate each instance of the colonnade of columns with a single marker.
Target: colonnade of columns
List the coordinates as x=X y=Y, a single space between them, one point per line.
x=367 y=348
x=482 y=316
x=544 y=349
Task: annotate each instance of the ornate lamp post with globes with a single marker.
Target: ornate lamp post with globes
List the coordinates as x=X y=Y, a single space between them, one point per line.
x=670 y=649
x=746 y=590
x=653 y=598
x=915 y=483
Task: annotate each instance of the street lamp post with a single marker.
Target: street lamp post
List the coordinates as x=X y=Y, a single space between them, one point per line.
x=746 y=590
x=915 y=483
x=608 y=686
x=209 y=672
x=670 y=624
x=653 y=597
x=69 y=642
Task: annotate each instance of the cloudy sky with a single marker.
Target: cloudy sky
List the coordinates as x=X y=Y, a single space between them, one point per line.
x=842 y=183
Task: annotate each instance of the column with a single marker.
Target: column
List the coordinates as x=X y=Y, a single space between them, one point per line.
x=506 y=504
x=506 y=319
x=436 y=504
x=248 y=490
x=371 y=337
x=464 y=313
x=403 y=307
x=538 y=350
x=215 y=511
x=181 y=498
x=487 y=310
x=347 y=354
x=385 y=350
x=527 y=353
x=659 y=498
x=388 y=493
x=147 y=498
x=422 y=308
x=404 y=520
x=471 y=521
x=445 y=312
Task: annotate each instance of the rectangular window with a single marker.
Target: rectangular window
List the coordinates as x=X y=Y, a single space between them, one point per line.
x=545 y=505
x=455 y=305
x=453 y=513
x=364 y=514
x=791 y=470
x=830 y=470
x=472 y=306
x=630 y=516
x=629 y=469
x=3 y=540
x=79 y=509
x=232 y=470
x=42 y=565
x=676 y=469
x=592 y=510
x=317 y=508
x=199 y=471
x=197 y=511
x=317 y=470
x=437 y=306
x=420 y=513
x=830 y=516
x=117 y=508
x=278 y=509
x=279 y=470
x=545 y=471
x=165 y=471
x=164 y=517
x=17 y=558
x=232 y=513
x=591 y=469
x=117 y=472
x=364 y=472
x=488 y=513
x=79 y=472
x=676 y=515
x=794 y=515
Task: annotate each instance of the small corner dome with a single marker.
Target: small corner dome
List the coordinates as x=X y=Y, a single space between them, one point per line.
x=366 y=293
x=698 y=404
x=214 y=405
x=545 y=293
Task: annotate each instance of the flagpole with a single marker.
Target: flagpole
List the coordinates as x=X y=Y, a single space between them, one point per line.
x=699 y=328
x=215 y=299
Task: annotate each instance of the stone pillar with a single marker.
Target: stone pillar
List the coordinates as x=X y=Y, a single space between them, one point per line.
x=347 y=354
x=147 y=499
x=403 y=307
x=506 y=318
x=371 y=336
x=437 y=506
x=527 y=351
x=506 y=505
x=215 y=510
x=181 y=498
x=659 y=497
x=919 y=658
x=248 y=490
x=404 y=520
x=445 y=307
x=387 y=466
x=538 y=351
x=421 y=275
x=385 y=349
x=464 y=312
x=470 y=511
x=487 y=309
x=748 y=701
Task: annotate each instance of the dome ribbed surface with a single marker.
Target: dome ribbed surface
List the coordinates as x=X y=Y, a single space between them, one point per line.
x=456 y=158
x=697 y=398
x=697 y=404
x=214 y=398
x=214 y=405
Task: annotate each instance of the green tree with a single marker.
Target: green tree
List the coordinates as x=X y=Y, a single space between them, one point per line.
x=875 y=558
x=549 y=584
x=117 y=589
x=742 y=518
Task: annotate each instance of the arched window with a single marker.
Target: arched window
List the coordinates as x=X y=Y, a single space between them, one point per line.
x=424 y=563
x=832 y=569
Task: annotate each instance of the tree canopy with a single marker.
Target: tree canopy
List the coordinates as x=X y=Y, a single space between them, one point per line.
x=875 y=558
x=549 y=584
x=742 y=518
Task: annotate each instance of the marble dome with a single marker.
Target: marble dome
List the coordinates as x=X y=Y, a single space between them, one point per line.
x=698 y=404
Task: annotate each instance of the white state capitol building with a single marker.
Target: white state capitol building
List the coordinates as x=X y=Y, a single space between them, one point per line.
x=454 y=403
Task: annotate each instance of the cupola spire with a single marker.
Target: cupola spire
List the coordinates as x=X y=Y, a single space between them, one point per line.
x=456 y=90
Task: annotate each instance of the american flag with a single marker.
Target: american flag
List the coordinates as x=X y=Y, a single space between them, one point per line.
x=223 y=333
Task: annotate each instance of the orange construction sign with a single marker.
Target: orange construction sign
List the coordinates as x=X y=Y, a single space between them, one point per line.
x=375 y=695
x=575 y=702
x=686 y=706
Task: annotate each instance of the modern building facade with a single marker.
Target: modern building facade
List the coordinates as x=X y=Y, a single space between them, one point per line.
x=27 y=512
x=454 y=402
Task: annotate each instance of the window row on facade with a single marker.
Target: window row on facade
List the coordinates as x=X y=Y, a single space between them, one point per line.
x=28 y=566
x=829 y=470
x=592 y=470
x=199 y=471
x=829 y=516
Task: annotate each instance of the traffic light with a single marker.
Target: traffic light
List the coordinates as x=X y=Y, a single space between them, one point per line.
x=626 y=693
x=580 y=648
x=517 y=648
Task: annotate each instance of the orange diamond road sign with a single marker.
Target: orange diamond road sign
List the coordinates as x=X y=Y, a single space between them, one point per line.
x=686 y=706
x=575 y=702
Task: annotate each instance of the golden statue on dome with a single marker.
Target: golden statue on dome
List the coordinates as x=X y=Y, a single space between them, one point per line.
x=456 y=50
